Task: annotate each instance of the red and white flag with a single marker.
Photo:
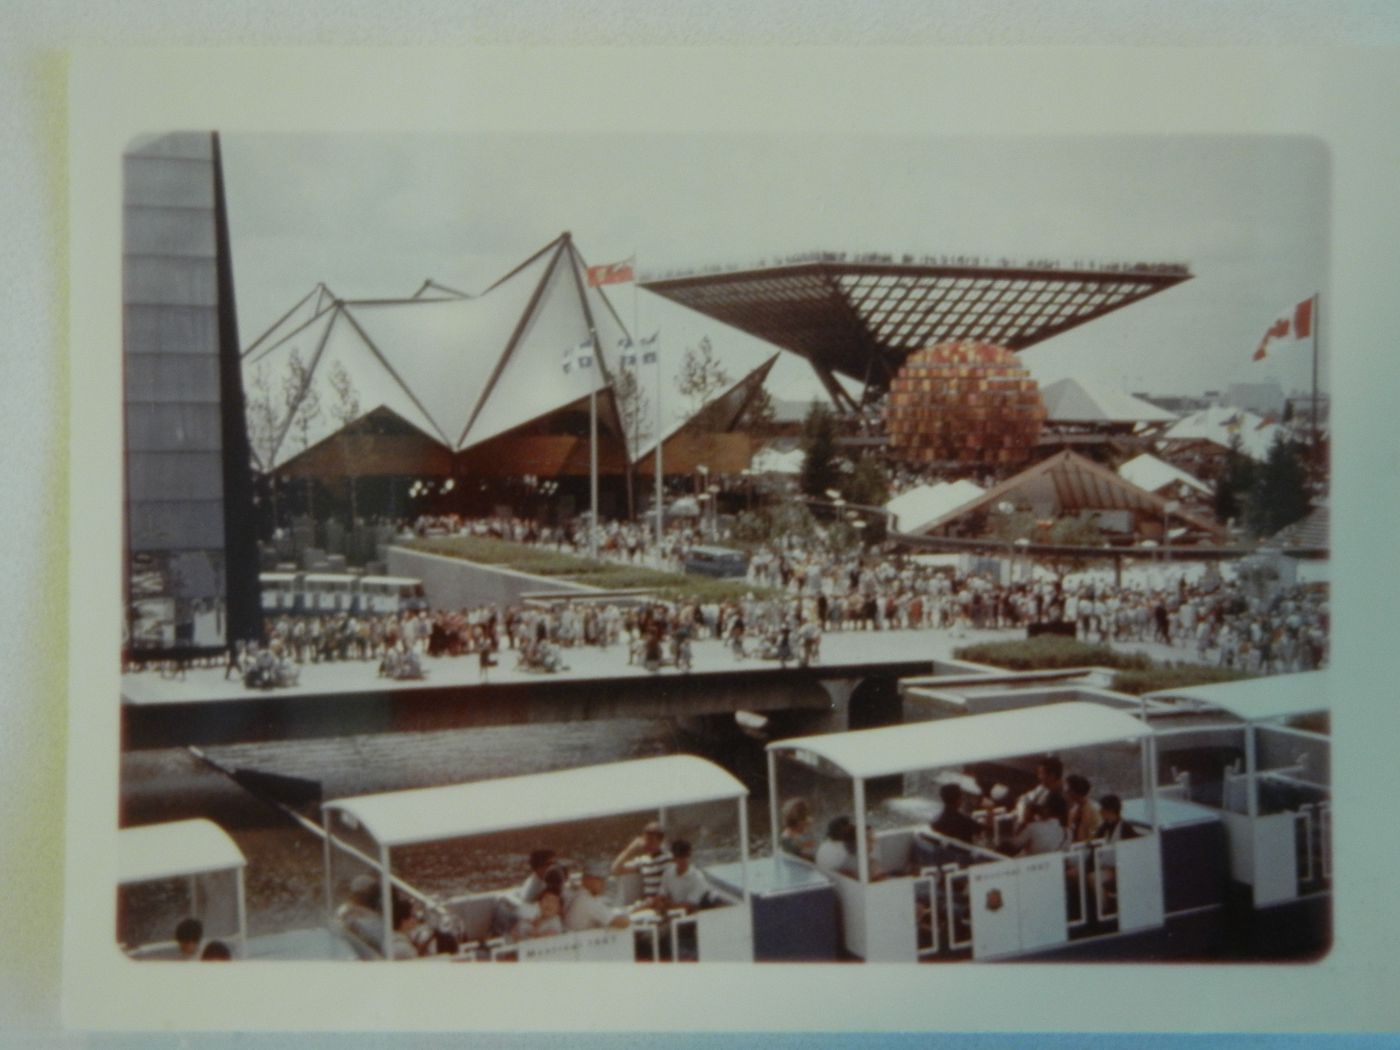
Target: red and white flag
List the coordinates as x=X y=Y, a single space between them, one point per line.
x=1292 y=325
x=610 y=273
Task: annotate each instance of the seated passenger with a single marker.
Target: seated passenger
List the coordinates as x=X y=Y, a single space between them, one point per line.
x=1112 y=826
x=360 y=915
x=547 y=920
x=403 y=943
x=682 y=884
x=1050 y=781
x=831 y=854
x=952 y=821
x=189 y=933
x=647 y=856
x=519 y=903
x=797 y=837
x=1083 y=820
x=588 y=910
x=216 y=951
x=1045 y=830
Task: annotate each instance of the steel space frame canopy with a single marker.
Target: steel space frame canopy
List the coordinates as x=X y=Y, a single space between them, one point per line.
x=862 y=319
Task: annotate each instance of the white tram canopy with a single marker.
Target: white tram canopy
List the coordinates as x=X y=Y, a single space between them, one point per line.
x=401 y=818
x=1260 y=699
x=174 y=850
x=906 y=748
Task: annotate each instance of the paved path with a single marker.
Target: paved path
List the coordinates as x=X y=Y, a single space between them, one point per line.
x=710 y=657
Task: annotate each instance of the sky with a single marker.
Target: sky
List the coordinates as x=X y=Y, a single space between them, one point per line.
x=373 y=216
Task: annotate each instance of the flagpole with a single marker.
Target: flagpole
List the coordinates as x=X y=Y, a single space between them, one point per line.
x=660 y=527
x=593 y=463
x=1316 y=323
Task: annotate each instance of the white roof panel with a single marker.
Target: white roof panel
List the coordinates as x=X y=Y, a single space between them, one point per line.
x=1261 y=699
x=399 y=818
x=977 y=738
x=1148 y=472
x=917 y=508
x=1089 y=401
x=164 y=851
x=1219 y=423
x=534 y=381
x=445 y=350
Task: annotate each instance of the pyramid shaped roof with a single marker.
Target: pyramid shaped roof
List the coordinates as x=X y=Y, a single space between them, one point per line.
x=461 y=370
x=1088 y=401
x=1067 y=482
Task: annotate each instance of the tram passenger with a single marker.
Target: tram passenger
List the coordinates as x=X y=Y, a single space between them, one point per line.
x=1083 y=821
x=588 y=910
x=1045 y=832
x=1112 y=826
x=831 y=854
x=519 y=904
x=548 y=918
x=647 y=856
x=403 y=944
x=1050 y=776
x=951 y=823
x=683 y=885
x=797 y=837
x=360 y=915
x=189 y=934
x=216 y=951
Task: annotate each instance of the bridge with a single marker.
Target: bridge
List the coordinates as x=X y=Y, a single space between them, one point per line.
x=854 y=685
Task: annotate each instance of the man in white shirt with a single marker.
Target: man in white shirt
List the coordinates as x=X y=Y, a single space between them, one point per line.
x=682 y=884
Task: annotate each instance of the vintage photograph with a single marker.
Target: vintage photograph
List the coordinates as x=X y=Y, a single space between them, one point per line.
x=720 y=548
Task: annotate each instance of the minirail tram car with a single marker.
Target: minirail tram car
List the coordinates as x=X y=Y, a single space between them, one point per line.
x=908 y=893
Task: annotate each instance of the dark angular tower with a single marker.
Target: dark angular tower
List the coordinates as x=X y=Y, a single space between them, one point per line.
x=191 y=551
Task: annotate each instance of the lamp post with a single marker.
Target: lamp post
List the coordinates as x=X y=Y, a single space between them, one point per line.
x=713 y=493
x=1005 y=508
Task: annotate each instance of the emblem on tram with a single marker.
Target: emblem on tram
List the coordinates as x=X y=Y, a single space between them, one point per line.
x=994 y=900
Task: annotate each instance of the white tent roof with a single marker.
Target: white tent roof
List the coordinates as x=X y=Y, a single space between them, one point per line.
x=1089 y=401
x=399 y=818
x=163 y=851
x=771 y=461
x=918 y=507
x=1148 y=472
x=1261 y=699
x=461 y=370
x=1219 y=423
x=977 y=738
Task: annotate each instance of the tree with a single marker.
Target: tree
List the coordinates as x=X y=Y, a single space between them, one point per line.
x=303 y=408
x=1279 y=495
x=346 y=409
x=760 y=416
x=702 y=376
x=1233 y=485
x=264 y=419
x=634 y=408
x=867 y=484
x=1082 y=530
x=818 y=451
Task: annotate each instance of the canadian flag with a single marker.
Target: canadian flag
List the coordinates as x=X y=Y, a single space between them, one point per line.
x=1292 y=324
x=610 y=273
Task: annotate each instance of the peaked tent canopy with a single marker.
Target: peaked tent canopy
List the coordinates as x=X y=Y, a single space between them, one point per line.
x=1085 y=401
x=1148 y=472
x=1068 y=483
x=917 y=509
x=458 y=370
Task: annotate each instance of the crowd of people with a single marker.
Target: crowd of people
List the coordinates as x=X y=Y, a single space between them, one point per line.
x=800 y=590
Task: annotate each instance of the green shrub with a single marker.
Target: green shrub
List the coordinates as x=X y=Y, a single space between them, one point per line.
x=1049 y=652
x=1173 y=676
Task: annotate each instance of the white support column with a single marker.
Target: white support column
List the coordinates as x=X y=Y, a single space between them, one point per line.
x=386 y=903
x=862 y=854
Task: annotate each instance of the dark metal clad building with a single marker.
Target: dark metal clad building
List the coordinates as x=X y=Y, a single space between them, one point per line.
x=861 y=316
x=191 y=564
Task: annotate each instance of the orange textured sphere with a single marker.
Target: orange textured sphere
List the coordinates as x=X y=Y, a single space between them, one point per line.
x=966 y=403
